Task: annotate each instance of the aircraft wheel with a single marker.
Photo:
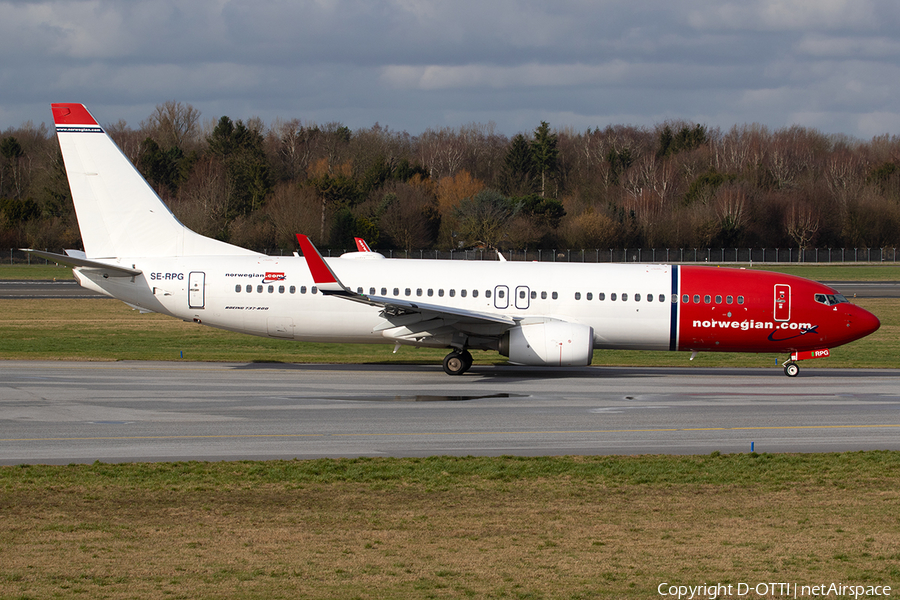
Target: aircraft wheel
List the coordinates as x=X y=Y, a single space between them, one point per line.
x=791 y=369
x=455 y=363
x=467 y=358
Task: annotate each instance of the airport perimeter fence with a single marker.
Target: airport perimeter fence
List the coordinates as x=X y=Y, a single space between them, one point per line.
x=747 y=256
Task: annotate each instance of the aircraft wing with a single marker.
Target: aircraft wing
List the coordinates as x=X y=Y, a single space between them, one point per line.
x=413 y=317
x=76 y=261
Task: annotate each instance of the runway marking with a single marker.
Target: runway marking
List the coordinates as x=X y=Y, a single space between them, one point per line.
x=436 y=433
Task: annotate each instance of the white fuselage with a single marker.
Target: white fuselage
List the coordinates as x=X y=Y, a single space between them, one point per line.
x=628 y=306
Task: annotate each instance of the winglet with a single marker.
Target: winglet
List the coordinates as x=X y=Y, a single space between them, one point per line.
x=325 y=279
x=361 y=245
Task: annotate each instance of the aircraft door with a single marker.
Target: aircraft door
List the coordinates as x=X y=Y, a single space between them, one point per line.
x=782 y=302
x=196 y=289
x=501 y=296
x=523 y=298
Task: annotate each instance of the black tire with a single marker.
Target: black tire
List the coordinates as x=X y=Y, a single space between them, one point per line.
x=454 y=363
x=467 y=358
x=791 y=369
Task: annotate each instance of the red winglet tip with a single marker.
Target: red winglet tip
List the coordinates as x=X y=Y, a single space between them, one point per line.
x=317 y=267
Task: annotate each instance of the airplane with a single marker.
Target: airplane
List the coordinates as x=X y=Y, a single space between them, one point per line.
x=533 y=313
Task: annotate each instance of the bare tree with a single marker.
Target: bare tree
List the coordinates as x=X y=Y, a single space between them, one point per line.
x=173 y=124
x=802 y=224
x=410 y=216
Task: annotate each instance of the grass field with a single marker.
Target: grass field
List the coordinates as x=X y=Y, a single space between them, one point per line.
x=571 y=527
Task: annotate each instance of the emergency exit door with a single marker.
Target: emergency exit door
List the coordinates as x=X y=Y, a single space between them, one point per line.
x=196 y=289
x=782 y=302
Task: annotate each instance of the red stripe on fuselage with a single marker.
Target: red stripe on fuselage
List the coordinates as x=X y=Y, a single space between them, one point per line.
x=713 y=324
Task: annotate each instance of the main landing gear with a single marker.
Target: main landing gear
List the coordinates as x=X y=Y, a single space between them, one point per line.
x=457 y=363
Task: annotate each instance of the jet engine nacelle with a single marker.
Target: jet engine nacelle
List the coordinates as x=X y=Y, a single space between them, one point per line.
x=549 y=343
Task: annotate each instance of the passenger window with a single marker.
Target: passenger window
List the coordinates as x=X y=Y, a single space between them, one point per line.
x=501 y=294
x=259 y=289
x=662 y=298
x=271 y=289
x=554 y=296
x=441 y=293
x=624 y=297
x=452 y=293
x=302 y=289
x=543 y=295
x=407 y=292
x=249 y=288
x=359 y=290
x=612 y=297
x=462 y=293
x=718 y=299
x=696 y=298
x=578 y=295
x=371 y=291
x=589 y=296
x=533 y=295
x=522 y=294
x=601 y=296
x=637 y=297
x=237 y=288
x=293 y=289
x=707 y=299
x=685 y=299
x=729 y=299
x=384 y=291
x=740 y=299
x=474 y=293
x=281 y=289
x=430 y=292
x=487 y=293
x=418 y=291
x=314 y=289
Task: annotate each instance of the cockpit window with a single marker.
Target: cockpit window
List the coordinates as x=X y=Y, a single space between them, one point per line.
x=830 y=299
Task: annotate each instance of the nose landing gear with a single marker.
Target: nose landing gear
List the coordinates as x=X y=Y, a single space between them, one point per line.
x=790 y=367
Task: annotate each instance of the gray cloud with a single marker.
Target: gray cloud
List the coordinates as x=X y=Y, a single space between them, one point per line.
x=415 y=64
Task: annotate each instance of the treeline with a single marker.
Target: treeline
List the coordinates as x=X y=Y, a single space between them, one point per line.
x=675 y=185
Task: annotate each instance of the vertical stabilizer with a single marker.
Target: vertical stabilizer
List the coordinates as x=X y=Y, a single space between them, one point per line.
x=119 y=214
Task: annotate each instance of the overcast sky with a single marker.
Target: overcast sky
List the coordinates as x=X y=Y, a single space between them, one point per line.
x=411 y=65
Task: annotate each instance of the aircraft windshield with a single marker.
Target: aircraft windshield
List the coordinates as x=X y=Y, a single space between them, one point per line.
x=830 y=299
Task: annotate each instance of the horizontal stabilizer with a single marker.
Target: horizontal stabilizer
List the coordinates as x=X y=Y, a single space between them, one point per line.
x=76 y=262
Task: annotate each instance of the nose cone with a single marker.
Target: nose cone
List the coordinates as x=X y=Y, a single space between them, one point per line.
x=861 y=323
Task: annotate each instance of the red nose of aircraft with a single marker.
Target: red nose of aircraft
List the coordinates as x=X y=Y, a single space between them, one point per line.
x=860 y=323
